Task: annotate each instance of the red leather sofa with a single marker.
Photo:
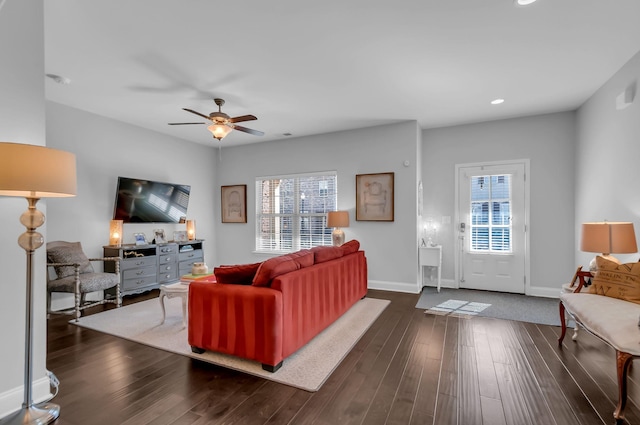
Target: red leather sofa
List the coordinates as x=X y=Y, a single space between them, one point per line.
x=288 y=301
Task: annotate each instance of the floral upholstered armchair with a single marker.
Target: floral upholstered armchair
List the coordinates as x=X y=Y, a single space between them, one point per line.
x=69 y=270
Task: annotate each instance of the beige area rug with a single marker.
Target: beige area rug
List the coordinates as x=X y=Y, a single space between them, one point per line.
x=307 y=368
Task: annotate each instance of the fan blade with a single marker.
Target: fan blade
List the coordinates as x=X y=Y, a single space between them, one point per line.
x=248 y=130
x=197 y=113
x=186 y=123
x=243 y=118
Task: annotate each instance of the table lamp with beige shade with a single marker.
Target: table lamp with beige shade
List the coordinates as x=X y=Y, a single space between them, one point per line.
x=608 y=237
x=34 y=172
x=337 y=219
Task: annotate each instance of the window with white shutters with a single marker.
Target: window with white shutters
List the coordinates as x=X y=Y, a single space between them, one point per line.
x=491 y=214
x=291 y=211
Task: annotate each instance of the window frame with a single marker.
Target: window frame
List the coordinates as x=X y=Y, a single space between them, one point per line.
x=279 y=238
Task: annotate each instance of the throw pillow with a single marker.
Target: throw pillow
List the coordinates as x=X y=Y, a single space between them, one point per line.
x=616 y=280
x=326 y=253
x=350 y=247
x=240 y=274
x=304 y=257
x=273 y=267
x=71 y=253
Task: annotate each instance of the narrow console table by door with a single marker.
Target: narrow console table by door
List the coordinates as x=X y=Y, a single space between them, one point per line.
x=146 y=267
x=430 y=256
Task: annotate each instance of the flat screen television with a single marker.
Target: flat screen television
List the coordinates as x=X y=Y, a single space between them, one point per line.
x=146 y=201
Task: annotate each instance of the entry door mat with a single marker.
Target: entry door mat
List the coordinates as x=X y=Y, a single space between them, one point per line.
x=499 y=305
x=307 y=369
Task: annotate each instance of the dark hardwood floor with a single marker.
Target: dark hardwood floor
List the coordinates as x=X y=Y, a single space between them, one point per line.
x=409 y=368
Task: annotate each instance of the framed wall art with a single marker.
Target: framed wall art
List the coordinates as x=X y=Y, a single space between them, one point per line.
x=234 y=203
x=374 y=197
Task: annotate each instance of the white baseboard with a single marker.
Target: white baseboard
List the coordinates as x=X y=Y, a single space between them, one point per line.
x=542 y=291
x=410 y=288
x=11 y=401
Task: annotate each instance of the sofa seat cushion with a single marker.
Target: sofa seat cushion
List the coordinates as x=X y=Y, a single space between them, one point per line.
x=274 y=267
x=616 y=280
x=612 y=319
x=239 y=274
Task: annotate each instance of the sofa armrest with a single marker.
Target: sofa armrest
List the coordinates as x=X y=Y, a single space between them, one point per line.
x=241 y=320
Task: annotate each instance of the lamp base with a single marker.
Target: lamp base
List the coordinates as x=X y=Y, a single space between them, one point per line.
x=337 y=237
x=37 y=414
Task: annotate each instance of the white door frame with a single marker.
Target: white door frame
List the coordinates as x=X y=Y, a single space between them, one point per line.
x=527 y=203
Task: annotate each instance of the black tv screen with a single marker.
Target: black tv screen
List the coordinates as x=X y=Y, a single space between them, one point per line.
x=146 y=201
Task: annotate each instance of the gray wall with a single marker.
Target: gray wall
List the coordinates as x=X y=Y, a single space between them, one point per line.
x=22 y=119
x=369 y=150
x=548 y=141
x=607 y=172
x=106 y=149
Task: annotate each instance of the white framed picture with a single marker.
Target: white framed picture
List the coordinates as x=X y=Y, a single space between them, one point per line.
x=180 y=236
x=159 y=236
x=140 y=238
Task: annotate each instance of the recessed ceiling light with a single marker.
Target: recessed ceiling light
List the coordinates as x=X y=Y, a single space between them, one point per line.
x=497 y=101
x=524 y=2
x=58 y=79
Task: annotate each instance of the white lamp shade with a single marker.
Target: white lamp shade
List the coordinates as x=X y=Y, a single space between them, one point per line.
x=31 y=171
x=608 y=238
x=338 y=219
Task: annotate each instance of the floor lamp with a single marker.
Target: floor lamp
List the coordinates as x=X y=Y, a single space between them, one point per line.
x=34 y=172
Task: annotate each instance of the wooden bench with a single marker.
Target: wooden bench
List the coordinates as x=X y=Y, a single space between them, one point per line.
x=612 y=320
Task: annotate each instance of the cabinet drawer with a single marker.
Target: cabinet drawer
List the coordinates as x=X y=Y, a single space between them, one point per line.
x=137 y=262
x=168 y=249
x=140 y=272
x=191 y=255
x=185 y=266
x=167 y=259
x=141 y=282
x=167 y=276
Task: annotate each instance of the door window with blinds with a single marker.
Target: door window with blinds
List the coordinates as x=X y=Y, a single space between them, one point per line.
x=491 y=213
x=291 y=211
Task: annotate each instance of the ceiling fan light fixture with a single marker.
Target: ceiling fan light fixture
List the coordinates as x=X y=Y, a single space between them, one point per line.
x=219 y=131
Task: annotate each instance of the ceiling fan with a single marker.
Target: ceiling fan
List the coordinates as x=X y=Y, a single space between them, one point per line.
x=222 y=123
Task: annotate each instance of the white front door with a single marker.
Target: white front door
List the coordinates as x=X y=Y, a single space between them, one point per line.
x=492 y=227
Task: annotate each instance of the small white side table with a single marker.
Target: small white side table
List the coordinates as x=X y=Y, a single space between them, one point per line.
x=171 y=291
x=430 y=256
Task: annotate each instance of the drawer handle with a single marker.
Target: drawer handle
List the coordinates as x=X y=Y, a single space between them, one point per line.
x=139 y=273
x=139 y=263
x=168 y=268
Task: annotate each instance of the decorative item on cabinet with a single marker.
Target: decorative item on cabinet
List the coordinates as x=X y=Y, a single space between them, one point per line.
x=144 y=268
x=191 y=229
x=115 y=233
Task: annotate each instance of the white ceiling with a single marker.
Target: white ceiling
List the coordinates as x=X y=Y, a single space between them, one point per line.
x=316 y=67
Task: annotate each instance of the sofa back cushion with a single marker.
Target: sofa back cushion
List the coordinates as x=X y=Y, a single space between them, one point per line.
x=616 y=280
x=326 y=253
x=304 y=257
x=350 y=247
x=239 y=274
x=274 y=267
